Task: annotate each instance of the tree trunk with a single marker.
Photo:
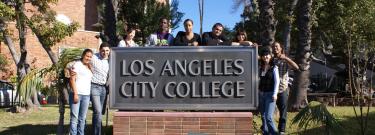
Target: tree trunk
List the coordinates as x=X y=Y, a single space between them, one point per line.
x=302 y=81
x=61 y=98
x=288 y=27
x=267 y=22
x=22 y=66
x=110 y=22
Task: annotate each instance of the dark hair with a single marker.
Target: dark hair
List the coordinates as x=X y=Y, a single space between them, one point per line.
x=130 y=29
x=240 y=32
x=265 y=51
x=85 y=52
x=217 y=24
x=187 y=20
x=104 y=44
x=162 y=18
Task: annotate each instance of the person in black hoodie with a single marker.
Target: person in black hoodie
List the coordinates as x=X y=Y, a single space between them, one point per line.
x=215 y=37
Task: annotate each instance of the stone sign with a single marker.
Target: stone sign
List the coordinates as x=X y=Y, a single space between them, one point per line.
x=184 y=78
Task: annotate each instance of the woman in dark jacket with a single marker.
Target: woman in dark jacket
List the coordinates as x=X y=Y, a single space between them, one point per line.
x=268 y=89
x=187 y=38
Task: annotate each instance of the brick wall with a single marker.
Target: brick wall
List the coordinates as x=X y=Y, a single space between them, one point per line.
x=182 y=123
x=82 y=11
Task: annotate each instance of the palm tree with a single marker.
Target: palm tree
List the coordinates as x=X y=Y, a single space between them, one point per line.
x=317 y=113
x=33 y=80
x=288 y=27
x=299 y=92
x=267 y=22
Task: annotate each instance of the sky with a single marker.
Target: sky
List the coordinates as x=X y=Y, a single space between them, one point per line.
x=214 y=11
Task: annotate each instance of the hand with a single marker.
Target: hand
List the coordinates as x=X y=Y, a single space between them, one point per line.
x=195 y=43
x=75 y=98
x=274 y=98
x=282 y=56
x=71 y=72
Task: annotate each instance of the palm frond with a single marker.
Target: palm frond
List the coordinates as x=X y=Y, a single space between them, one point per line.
x=34 y=79
x=317 y=113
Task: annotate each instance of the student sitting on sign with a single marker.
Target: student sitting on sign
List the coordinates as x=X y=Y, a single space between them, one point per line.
x=187 y=38
x=215 y=37
x=241 y=39
x=162 y=37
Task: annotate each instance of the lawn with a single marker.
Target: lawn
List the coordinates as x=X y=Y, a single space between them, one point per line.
x=44 y=120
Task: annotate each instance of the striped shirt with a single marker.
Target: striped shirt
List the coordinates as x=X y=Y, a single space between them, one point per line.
x=100 y=69
x=283 y=73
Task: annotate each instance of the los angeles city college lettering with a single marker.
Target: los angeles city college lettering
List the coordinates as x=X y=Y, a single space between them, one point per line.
x=215 y=67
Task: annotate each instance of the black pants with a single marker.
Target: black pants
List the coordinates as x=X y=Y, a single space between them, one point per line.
x=282 y=106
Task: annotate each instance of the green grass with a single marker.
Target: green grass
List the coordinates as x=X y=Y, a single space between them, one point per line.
x=345 y=116
x=44 y=121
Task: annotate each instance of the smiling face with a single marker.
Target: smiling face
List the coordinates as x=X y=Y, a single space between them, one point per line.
x=164 y=25
x=217 y=30
x=241 y=37
x=266 y=58
x=276 y=48
x=86 y=59
x=104 y=52
x=130 y=34
x=188 y=26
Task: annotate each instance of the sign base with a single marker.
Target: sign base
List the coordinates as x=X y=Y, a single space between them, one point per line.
x=182 y=123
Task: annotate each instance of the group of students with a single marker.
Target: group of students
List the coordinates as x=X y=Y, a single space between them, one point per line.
x=89 y=75
x=162 y=37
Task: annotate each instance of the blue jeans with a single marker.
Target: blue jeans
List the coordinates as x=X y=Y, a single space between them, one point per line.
x=267 y=108
x=98 y=93
x=78 y=113
x=282 y=105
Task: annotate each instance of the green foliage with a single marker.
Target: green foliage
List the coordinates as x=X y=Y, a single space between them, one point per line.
x=347 y=22
x=6 y=13
x=175 y=16
x=3 y=63
x=50 y=31
x=34 y=79
x=316 y=113
x=251 y=25
x=145 y=15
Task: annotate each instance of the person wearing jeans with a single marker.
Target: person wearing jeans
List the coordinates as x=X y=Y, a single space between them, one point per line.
x=78 y=113
x=268 y=89
x=79 y=96
x=283 y=63
x=100 y=68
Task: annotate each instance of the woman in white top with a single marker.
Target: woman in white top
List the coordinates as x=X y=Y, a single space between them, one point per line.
x=128 y=40
x=79 y=97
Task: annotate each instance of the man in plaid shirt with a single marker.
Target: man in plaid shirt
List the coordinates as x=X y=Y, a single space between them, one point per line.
x=283 y=62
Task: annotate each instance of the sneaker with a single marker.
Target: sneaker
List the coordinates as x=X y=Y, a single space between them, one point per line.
x=282 y=133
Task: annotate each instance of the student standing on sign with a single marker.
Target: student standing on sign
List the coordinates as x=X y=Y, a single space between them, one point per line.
x=268 y=89
x=79 y=97
x=283 y=62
